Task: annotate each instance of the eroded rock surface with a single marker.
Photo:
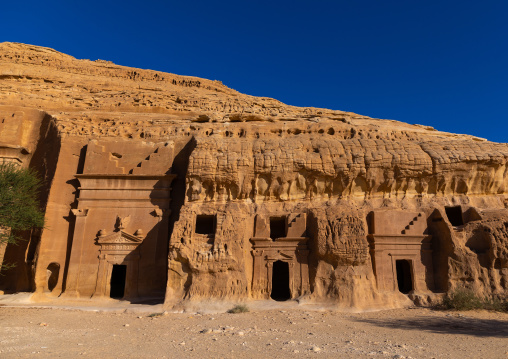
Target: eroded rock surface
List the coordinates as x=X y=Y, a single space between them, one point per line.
x=180 y=188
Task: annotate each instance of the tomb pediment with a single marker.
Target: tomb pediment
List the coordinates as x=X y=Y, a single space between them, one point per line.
x=279 y=256
x=119 y=237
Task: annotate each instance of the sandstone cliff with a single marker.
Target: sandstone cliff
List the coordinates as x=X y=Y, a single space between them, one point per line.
x=241 y=166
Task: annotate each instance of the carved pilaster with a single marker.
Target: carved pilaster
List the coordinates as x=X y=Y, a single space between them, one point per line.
x=76 y=251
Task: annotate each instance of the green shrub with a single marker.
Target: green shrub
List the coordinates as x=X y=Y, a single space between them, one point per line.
x=19 y=205
x=155 y=315
x=240 y=308
x=463 y=299
x=497 y=305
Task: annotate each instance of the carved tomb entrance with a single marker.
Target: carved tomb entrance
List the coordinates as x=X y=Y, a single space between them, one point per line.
x=280 y=281
x=281 y=269
x=121 y=220
x=118 y=265
x=117 y=285
x=401 y=251
x=404 y=275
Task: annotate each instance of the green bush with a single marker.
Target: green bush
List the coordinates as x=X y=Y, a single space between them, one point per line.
x=240 y=308
x=155 y=315
x=19 y=205
x=497 y=305
x=463 y=299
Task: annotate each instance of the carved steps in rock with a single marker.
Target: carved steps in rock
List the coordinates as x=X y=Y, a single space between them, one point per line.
x=408 y=228
x=111 y=164
x=151 y=164
x=295 y=220
x=292 y=221
x=113 y=158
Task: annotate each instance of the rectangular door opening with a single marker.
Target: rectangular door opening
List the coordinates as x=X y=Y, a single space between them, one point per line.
x=277 y=227
x=454 y=215
x=280 y=281
x=404 y=276
x=118 y=276
x=205 y=224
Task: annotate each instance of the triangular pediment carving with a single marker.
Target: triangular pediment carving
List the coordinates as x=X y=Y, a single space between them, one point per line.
x=119 y=237
x=279 y=255
x=285 y=255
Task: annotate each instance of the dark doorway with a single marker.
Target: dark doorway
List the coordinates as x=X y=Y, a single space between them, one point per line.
x=280 y=281
x=404 y=277
x=277 y=227
x=53 y=271
x=454 y=215
x=118 y=281
x=205 y=224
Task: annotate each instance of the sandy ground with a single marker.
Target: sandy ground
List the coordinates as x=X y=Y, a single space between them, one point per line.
x=269 y=331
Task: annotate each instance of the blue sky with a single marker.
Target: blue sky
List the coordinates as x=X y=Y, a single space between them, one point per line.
x=438 y=63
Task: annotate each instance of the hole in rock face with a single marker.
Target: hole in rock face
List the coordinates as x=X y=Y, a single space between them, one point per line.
x=479 y=242
x=454 y=215
x=118 y=275
x=280 y=281
x=277 y=227
x=404 y=277
x=53 y=272
x=497 y=264
x=205 y=224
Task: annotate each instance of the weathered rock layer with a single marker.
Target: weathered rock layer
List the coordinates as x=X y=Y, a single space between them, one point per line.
x=159 y=185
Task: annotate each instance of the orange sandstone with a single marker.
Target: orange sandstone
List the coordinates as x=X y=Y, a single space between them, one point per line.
x=179 y=188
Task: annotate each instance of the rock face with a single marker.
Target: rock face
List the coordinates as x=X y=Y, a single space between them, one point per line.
x=179 y=188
